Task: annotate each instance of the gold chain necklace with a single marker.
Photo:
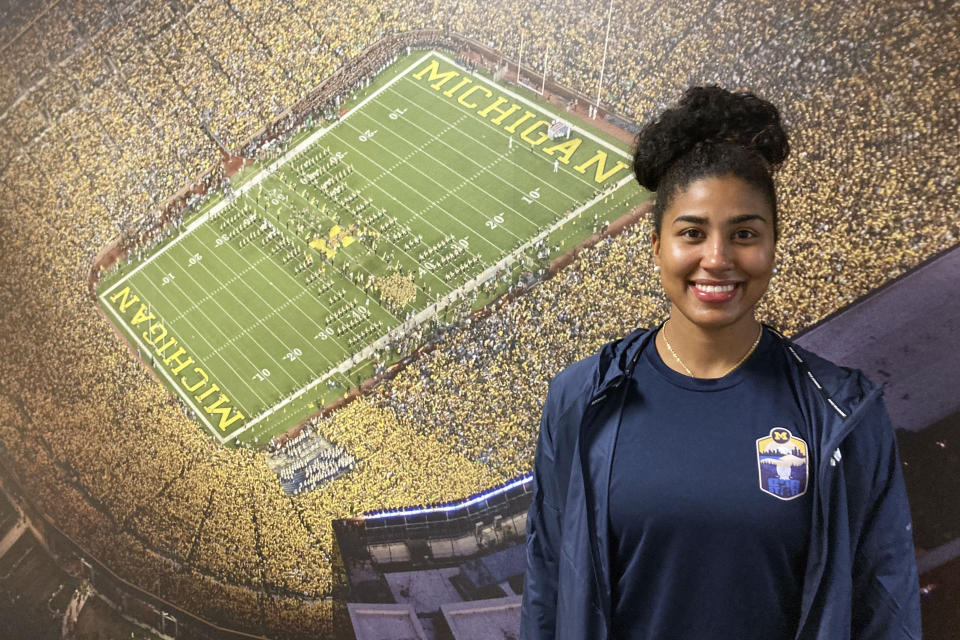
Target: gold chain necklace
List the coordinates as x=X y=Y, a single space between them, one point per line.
x=739 y=362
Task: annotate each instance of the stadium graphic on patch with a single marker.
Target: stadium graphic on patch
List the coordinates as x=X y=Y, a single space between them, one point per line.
x=782 y=464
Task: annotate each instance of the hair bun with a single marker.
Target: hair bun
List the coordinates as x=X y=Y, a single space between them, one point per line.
x=709 y=115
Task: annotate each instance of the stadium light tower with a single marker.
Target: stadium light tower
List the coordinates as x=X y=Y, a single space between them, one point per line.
x=603 y=64
x=543 y=84
x=520 y=55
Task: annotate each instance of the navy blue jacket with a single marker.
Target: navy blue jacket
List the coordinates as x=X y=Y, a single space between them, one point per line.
x=861 y=574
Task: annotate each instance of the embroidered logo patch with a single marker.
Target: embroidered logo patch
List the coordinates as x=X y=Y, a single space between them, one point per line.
x=782 y=464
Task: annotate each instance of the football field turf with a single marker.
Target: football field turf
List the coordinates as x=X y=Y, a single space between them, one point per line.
x=274 y=300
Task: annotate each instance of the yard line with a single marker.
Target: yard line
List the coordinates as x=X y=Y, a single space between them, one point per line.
x=443 y=188
x=263 y=319
x=510 y=185
x=257 y=179
x=259 y=320
x=451 y=124
x=201 y=335
x=415 y=214
x=213 y=292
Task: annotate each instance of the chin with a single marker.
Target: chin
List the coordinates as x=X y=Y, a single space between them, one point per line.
x=715 y=324
x=714 y=319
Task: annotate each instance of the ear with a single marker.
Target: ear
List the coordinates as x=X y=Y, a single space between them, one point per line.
x=655 y=241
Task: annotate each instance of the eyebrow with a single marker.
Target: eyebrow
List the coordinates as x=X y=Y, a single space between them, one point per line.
x=732 y=221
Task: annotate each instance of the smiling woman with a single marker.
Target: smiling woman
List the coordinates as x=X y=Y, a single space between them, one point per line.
x=683 y=472
x=715 y=221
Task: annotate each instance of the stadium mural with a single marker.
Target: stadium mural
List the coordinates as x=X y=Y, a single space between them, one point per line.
x=284 y=284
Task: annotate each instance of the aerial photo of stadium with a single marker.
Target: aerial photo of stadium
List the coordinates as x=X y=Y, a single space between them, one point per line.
x=283 y=286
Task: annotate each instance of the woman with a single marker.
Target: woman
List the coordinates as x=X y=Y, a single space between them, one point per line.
x=708 y=478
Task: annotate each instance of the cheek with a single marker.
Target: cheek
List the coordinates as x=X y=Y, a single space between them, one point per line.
x=759 y=263
x=678 y=258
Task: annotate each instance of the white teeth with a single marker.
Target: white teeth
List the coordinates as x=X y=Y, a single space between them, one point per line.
x=715 y=289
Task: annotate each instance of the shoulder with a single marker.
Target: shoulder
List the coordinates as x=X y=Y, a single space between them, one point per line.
x=574 y=382
x=573 y=385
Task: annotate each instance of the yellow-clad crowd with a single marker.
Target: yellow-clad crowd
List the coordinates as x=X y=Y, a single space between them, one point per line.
x=108 y=108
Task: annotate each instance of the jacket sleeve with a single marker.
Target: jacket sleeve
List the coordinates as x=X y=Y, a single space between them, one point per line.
x=886 y=594
x=539 y=604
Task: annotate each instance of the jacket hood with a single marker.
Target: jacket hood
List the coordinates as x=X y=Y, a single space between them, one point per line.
x=617 y=357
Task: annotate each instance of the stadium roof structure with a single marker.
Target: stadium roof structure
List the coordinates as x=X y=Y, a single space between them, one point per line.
x=385 y=622
x=495 y=567
x=492 y=619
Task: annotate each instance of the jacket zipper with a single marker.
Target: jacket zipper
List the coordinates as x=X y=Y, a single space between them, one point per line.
x=588 y=417
x=598 y=396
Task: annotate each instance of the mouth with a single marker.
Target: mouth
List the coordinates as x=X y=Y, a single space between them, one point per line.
x=715 y=293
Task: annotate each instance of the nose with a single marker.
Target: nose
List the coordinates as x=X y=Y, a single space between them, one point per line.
x=717 y=253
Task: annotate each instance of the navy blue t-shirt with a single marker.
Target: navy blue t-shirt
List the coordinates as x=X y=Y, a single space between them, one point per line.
x=710 y=503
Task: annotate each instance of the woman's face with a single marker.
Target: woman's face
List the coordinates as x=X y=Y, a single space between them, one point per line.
x=719 y=231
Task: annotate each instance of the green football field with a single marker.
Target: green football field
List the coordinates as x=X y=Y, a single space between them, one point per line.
x=273 y=300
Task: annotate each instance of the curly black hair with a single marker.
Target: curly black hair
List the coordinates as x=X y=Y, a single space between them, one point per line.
x=711 y=132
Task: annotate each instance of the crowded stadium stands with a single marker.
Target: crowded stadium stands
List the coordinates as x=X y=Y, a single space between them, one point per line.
x=108 y=109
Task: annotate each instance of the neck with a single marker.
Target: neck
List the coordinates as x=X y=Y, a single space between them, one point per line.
x=707 y=352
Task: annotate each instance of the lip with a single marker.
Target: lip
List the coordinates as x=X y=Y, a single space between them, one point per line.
x=715 y=297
